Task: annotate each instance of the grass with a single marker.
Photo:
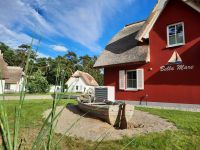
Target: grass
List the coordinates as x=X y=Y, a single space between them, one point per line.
x=31 y=119
x=32 y=110
x=187 y=137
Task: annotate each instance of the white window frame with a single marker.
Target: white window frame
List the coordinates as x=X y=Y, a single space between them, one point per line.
x=179 y=44
x=131 y=89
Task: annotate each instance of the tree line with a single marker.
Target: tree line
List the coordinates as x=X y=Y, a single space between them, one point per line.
x=48 y=67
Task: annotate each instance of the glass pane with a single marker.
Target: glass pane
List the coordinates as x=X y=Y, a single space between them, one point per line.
x=179 y=38
x=134 y=83
x=131 y=83
x=172 y=30
x=131 y=75
x=131 y=79
x=172 y=40
x=179 y=28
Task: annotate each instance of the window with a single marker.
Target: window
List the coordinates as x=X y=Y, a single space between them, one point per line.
x=131 y=80
x=77 y=87
x=175 y=35
x=7 y=86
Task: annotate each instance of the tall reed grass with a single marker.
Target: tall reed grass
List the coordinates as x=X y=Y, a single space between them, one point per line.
x=10 y=135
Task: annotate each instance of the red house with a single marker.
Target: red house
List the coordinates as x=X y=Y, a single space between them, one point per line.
x=157 y=60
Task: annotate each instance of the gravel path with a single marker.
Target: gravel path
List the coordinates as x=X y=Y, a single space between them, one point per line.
x=27 y=97
x=95 y=129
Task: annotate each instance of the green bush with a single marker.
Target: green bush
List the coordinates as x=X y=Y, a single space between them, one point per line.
x=37 y=83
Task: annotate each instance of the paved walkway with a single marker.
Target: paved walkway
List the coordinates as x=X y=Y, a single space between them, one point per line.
x=173 y=106
x=28 y=97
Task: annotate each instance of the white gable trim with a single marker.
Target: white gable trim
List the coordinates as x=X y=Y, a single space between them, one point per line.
x=158 y=9
x=149 y=26
x=192 y=4
x=152 y=19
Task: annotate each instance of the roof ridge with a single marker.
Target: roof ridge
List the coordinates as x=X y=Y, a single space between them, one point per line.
x=89 y=79
x=81 y=72
x=134 y=23
x=14 y=67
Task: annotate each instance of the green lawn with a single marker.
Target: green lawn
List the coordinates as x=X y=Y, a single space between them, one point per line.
x=187 y=137
x=32 y=110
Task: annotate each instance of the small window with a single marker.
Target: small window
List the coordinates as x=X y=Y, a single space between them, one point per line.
x=7 y=86
x=175 y=35
x=77 y=88
x=131 y=79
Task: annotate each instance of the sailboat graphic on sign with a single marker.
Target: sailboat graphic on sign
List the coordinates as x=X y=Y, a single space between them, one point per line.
x=175 y=59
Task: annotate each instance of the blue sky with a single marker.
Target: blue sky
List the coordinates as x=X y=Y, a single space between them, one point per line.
x=82 y=26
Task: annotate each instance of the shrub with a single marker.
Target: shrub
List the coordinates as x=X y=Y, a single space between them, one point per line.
x=37 y=83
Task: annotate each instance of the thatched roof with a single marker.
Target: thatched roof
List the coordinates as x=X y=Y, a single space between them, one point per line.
x=89 y=80
x=123 y=48
x=3 y=67
x=14 y=74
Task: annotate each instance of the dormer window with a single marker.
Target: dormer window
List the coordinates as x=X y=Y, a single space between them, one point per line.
x=175 y=35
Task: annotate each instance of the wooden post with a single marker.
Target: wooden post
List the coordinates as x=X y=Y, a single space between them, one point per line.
x=123 y=121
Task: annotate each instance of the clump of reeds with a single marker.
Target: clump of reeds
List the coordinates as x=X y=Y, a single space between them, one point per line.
x=10 y=136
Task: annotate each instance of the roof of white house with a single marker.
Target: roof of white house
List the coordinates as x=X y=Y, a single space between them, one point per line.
x=14 y=74
x=11 y=74
x=3 y=67
x=89 y=80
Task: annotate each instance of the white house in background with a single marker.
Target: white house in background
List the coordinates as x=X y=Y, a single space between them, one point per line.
x=11 y=77
x=80 y=82
x=55 y=88
x=14 y=80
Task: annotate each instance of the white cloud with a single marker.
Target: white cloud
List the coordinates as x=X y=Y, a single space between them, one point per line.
x=41 y=55
x=59 y=48
x=12 y=38
x=78 y=20
x=83 y=21
x=19 y=15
